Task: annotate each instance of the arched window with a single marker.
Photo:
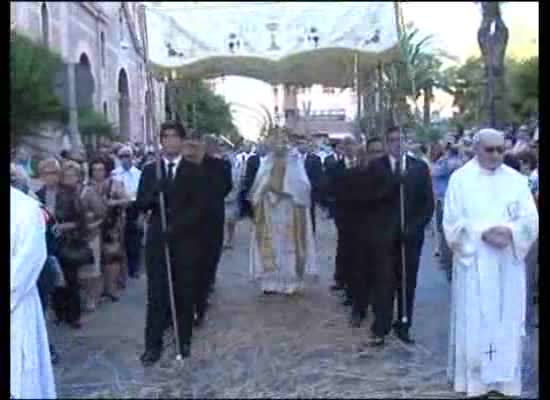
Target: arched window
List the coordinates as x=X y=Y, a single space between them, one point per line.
x=45 y=25
x=105 y=110
x=102 y=39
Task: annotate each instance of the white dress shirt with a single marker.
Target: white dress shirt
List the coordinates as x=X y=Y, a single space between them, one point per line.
x=393 y=161
x=129 y=178
x=176 y=162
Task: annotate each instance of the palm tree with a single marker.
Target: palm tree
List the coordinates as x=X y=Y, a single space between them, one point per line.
x=492 y=38
x=417 y=73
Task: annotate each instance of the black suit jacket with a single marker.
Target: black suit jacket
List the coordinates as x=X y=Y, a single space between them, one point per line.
x=419 y=198
x=187 y=206
x=251 y=169
x=147 y=198
x=334 y=169
x=218 y=173
x=314 y=171
x=363 y=198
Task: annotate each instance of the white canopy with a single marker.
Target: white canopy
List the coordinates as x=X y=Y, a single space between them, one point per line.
x=300 y=43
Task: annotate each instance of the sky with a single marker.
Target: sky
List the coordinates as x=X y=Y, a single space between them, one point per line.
x=454 y=26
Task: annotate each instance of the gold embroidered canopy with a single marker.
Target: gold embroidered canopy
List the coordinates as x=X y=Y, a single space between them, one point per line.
x=297 y=43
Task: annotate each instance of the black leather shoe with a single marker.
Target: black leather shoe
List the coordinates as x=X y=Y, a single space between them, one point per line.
x=403 y=334
x=111 y=297
x=376 y=341
x=53 y=355
x=493 y=394
x=355 y=320
x=347 y=302
x=185 y=350
x=150 y=357
x=198 y=320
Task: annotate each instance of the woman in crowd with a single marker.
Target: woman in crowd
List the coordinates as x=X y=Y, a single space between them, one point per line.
x=113 y=198
x=528 y=164
x=93 y=211
x=67 y=211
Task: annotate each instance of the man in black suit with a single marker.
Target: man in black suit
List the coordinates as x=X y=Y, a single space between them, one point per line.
x=314 y=171
x=335 y=167
x=185 y=193
x=251 y=169
x=365 y=193
x=419 y=208
x=218 y=173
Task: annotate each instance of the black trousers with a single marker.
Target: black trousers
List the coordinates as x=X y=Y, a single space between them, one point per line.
x=132 y=240
x=216 y=250
x=344 y=254
x=208 y=267
x=374 y=283
x=158 y=310
x=413 y=249
x=66 y=300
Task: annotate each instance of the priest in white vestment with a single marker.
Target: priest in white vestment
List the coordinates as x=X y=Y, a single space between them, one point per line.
x=31 y=374
x=282 y=251
x=490 y=221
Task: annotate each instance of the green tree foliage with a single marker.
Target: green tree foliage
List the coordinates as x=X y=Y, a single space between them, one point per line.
x=91 y=122
x=212 y=114
x=32 y=98
x=418 y=72
x=429 y=134
x=468 y=82
x=523 y=83
x=467 y=85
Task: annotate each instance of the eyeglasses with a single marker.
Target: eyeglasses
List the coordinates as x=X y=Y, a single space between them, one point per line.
x=124 y=156
x=493 y=149
x=168 y=135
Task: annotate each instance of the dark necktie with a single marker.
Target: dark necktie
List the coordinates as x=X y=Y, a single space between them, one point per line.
x=397 y=170
x=170 y=173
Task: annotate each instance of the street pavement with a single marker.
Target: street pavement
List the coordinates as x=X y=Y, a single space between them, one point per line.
x=255 y=346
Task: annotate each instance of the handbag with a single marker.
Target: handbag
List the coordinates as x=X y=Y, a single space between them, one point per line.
x=75 y=253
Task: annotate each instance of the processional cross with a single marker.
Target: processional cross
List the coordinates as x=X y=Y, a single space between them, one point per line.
x=491 y=352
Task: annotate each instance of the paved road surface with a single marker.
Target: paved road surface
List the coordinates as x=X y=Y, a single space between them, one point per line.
x=252 y=346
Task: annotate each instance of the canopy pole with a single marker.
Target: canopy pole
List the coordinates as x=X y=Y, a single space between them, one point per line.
x=358 y=91
x=381 y=99
x=402 y=200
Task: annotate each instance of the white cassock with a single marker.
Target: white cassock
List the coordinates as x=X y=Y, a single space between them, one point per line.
x=31 y=375
x=488 y=284
x=282 y=251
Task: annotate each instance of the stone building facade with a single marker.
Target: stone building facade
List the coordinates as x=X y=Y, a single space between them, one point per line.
x=102 y=46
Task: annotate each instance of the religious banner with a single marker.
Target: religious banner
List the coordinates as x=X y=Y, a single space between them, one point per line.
x=274 y=41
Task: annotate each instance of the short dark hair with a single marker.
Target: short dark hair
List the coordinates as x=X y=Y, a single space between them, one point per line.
x=511 y=138
x=108 y=164
x=176 y=126
x=528 y=157
x=392 y=129
x=372 y=140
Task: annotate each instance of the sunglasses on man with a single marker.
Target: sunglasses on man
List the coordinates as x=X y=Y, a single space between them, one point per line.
x=494 y=149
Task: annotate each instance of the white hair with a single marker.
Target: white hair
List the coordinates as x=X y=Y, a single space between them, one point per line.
x=487 y=133
x=125 y=149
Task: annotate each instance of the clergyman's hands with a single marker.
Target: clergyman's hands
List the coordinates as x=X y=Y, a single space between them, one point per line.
x=498 y=236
